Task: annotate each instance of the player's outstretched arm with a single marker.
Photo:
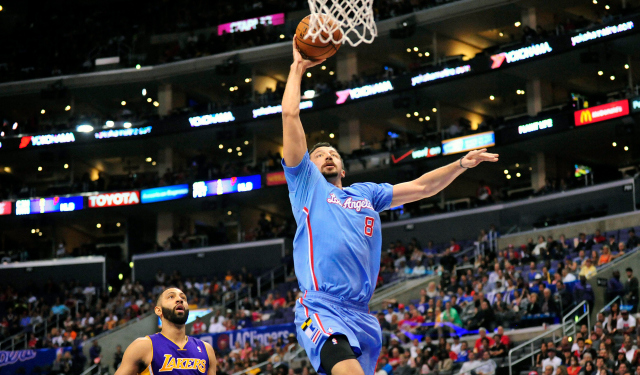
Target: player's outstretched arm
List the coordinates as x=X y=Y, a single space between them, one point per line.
x=294 y=140
x=137 y=356
x=213 y=362
x=432 y=183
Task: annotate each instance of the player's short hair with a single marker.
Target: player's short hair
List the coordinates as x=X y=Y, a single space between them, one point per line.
x=324 y=144
x=159 y=296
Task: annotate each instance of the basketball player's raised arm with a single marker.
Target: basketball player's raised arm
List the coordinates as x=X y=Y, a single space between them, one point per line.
x=431 y=183
x=136 y=358
x=293 y=138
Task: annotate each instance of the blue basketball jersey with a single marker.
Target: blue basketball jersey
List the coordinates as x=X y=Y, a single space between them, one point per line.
x=168 y=357
x=338 y=241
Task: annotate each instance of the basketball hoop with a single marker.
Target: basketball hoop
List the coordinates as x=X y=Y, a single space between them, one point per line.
x=353 y=17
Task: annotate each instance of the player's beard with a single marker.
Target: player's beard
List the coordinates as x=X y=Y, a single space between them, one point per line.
x=330 y=175
x=173 y=317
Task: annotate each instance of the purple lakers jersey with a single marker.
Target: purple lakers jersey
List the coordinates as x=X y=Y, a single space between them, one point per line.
x=169 y=358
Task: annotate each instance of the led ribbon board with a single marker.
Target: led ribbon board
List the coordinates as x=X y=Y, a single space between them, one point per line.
x=47 y=139
x=276 y=178
x=271 y=110
x=468 y=143
x=165 y=193
x=520 y=54
x=215 y=118
x=250 y=24
x=444 y=73
x=5 y=208
x=123 y=198
x=119 y=133
x=226 y=186
x=601 y=113
x=46 y=205
x=535 y=126
x=635 y=104
x=601 y=33
x=364 y=91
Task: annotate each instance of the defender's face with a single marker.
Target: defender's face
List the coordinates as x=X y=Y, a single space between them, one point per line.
x=328 y=162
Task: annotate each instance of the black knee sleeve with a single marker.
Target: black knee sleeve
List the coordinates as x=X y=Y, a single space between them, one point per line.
x=335 y=349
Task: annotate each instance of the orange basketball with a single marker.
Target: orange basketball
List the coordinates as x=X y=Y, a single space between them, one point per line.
x=316 y=50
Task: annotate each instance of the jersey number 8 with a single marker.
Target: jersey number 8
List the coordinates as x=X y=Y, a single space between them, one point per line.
x=368 y=226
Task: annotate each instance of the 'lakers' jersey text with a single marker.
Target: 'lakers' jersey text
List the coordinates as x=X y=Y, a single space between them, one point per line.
x=170 y=359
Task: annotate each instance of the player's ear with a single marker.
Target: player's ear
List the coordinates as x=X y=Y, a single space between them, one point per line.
x=343 y=173
x=158 y=311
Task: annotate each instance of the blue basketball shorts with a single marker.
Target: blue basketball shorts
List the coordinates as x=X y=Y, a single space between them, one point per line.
x=320 y=315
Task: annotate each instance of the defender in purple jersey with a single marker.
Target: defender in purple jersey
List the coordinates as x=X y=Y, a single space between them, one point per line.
x=171 y=351
x=338 y=241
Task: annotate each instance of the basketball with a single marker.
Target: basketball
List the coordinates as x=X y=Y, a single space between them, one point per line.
x=316 y=50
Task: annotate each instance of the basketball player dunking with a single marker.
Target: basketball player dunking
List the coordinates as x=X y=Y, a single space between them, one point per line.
x=171 y=349
x=338 y=241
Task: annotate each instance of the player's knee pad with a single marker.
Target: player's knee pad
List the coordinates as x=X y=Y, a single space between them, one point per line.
x=336 y=349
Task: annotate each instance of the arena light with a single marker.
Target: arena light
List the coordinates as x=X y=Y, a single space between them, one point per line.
x=309 y=94
x=109 y=124
x=127 y=125
x=123 y=103
x=144 y=92
x=84 y=128
x=67 y=108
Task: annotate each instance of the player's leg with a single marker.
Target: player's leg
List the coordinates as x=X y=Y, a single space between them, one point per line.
x=337 y=357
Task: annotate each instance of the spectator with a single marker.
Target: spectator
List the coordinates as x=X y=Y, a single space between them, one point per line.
x=605 y=257
x=487 y=366
x=598 y=237
x=498 y=349
x=588 y=369
x=600 y=367
x=626 y=323
x=198 y=327
x=588 y=270
x=470 y=365
x=562 y=370
x=628 y=348
x=552 y=360
x=217 y=324
x=614 y=287
x=631 y=288
x=94 y=351
x=633 y=240
x=117 y=357
x=483 y=335
x=574 y=367
x=548 y=304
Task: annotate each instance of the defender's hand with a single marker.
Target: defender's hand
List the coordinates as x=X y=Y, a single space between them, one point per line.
x=473 y=158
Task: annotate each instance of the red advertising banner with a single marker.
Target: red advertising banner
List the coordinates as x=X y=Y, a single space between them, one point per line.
x=122 y=198
x=276 y=178
x=5 y=208
x=602 y=113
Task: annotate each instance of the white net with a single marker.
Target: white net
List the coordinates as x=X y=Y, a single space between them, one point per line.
x=354 y=18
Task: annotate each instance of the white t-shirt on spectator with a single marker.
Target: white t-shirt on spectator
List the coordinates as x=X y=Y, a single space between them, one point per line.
x=87 y=321
x=630 y=353
x=569 y=278
x=555 y=362
x=456 y=348
x=468 y=366
x=487 y=367
x=108 y=318
x=216 y=327
x=415 y=350
x=622 y=324
x=536 y=250
x=90 y=290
